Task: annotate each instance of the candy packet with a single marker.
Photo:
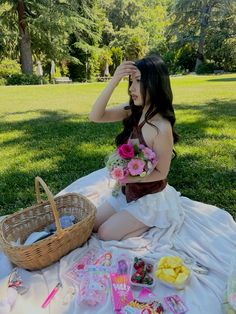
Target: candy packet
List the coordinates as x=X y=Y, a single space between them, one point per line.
x=175 y=304
x=146 y=295
x=91 y=257
x=93 y=287
x=121 y=264
x=137 y=306
x=121 y=290
x=146 y=302
x=104 y=259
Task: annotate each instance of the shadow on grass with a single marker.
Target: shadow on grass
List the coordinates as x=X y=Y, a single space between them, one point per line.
x=204 y=181
x=61 y=147
x=215 y=114
x=58 y=147
x=229 y=79
x=216 y=108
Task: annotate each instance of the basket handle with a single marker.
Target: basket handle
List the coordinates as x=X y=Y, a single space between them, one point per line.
x=51 y=201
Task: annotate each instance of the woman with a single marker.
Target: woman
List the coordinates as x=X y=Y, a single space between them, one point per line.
x=149 y=117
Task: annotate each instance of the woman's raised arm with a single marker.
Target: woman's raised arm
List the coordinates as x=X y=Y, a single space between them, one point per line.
x=99 y=112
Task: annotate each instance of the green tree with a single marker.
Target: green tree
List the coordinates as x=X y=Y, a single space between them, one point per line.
x=8 y=35
x=45 y=25
x=221 y=41
x=16 y=10
x=117 y=57
x=122 y=13
x=154 y=19
x=83 y=45
x=192 y=20
x=147 y=18
x=133 y=42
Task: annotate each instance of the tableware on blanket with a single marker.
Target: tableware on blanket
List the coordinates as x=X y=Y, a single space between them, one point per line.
x=35 y=218
x=142 y=273
x=172 y=272
x=196 y=266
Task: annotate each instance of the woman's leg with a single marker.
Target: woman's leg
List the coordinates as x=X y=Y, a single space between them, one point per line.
x=137 y=233
x=103 y=213
x=121 y=225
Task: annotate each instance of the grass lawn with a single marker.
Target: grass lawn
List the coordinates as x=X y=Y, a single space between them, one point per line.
x=44 y=130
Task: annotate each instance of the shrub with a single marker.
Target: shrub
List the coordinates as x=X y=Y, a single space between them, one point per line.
x=2 y=81
x=9 y=67
x=77 y=71
x=185 y=57
x=86 y=68
x=116 y=56
x=205 y=68
x=25 y=79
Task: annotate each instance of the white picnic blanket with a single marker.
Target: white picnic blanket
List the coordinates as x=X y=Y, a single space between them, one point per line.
x=207 y=234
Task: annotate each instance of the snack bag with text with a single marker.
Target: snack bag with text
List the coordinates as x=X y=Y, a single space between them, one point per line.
x=121 y=290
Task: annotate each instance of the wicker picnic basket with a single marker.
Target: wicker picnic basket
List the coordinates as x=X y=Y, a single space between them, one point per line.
x=49 y=250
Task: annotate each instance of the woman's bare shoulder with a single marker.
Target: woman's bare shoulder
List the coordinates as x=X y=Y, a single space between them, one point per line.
x=160 y=125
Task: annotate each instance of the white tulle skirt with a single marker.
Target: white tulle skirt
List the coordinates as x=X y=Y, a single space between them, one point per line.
x=161 y=209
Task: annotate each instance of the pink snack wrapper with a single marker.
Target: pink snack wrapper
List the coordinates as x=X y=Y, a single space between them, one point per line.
x=175 y=304
x=121 y=291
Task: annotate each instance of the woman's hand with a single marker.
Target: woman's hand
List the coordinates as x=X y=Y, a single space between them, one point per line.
x=99 y=112
x=124 y=69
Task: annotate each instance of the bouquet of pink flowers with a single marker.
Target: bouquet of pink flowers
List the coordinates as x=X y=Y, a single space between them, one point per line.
x=131 y=159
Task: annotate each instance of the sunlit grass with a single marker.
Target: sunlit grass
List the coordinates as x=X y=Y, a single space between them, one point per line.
x=44 y=130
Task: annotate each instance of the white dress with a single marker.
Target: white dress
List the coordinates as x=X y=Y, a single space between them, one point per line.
x=160 y=209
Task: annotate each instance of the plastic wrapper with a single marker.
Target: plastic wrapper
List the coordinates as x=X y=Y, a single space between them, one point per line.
x=93 y=287
x=142 y=273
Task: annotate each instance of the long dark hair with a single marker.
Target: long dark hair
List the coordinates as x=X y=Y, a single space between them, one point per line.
x=155 y=82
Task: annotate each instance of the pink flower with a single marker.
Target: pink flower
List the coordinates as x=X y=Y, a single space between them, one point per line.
x=141 y=146
x=117 y=173
x=124 y=180
x=136 y=166
x=148 y=153
x=126 y=151
x=126 y=172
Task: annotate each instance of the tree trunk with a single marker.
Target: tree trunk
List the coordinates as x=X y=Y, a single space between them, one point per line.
x=24 y=40
x=205 y=15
